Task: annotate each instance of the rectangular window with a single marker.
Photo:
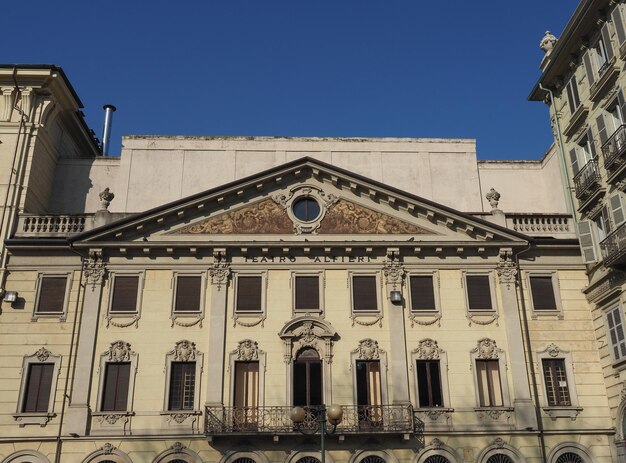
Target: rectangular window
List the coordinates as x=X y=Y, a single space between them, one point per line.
x=557 y=390
x=51 y=295
x=182 y=385
x=601 y=55
x=364 y=294
x=38 y=387
x=307 y=293
x=125 y=289
x=489 y=385
x=572 y=95
x=422 y=293
x=429 y=383
x=249 y=294
x=368 y=385
x=116 y=381
x=479 y=293
x=615 y=120
x=542 y=290
x=616 y=332
x=246 y=399
x=188 y=293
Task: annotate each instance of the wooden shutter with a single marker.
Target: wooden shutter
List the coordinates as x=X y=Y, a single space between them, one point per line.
x=542 y=292
x=574 y=161
x=606 y=39
x=572 y=95
x=125 y=293
x=422 y=293
x=38 y=386
x=188 y=290
x=591 y=77
x=429 y=383
x=307 y=293
x=52 y=295
x=116 y=382
x=601 y=129
x=618 y=23
x=249 y=294
x=622 y=104
x=479 y=292
x=592 y=145
x=587 y=247
x=617 y=210
x=489 y=385
x=364 y=295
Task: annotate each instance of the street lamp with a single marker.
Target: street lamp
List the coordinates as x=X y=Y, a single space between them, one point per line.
x=333 y=414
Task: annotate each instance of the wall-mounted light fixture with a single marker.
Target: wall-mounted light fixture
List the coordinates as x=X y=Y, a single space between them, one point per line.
x=395 y=296
x=10 y=296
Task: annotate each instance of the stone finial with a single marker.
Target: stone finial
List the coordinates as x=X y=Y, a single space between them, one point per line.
x=493 y=197
x=548 y=42
x=106 y=196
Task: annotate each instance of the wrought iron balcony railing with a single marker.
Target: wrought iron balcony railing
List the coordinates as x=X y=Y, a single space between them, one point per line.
x=614 y=247
x=587 y=180
x=397 y=419
x=614 y=149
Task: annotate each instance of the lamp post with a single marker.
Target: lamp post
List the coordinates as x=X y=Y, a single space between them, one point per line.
x=333 y=414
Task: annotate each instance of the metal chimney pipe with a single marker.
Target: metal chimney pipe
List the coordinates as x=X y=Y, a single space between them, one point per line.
x=109 y=109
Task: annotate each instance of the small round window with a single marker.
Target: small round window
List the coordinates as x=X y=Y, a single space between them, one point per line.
x=306 y=209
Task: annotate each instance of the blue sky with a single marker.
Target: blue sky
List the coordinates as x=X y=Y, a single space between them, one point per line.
x=405 y=68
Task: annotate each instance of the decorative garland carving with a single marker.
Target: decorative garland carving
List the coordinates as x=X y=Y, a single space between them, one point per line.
x=113 y=418
x=257 y=321
x=494 y=413
x=427 y=349
x=180 y=418
x=506 y=268
x=492 y=317
x=118 y=351
x=176 y=321
x=247 y=350
x=361 y=320
x=419 y=319
x=368 y=350
x=134 y=321
x=184 y=351
x=42 y=354
x=486 y=349
x=94 y=269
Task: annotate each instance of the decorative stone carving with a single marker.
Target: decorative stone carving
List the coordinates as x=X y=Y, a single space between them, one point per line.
x=494 y=413
x=106 y=196
x=112 y=418
x=180 y=417
x=498 y=443
x=368 y=350
x=553 y=350
x=613 y=282
x=308 y=332
x=623 y=392
x=486 y=349
x=427 y=349
x=108 y=448
x=436 y=413
x=118 y=351
x=506 y=268
x=436 y=444
x=422 y=321
x=94 y=269
x=493 y=197
x=393 y=272
x=548 y=43
x=43 y=354
x=219 y=272
x=247 y=350
x=7 y=106
x=177 y=447
x=184 y=351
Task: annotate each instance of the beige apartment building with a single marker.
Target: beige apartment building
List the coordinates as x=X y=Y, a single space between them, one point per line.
x=176 y=303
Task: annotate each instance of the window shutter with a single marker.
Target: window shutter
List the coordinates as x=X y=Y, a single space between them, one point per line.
x=38 y=385
x=307 y=293
x=116 y=381
x=617 y=211
x=618 y=22
x=592 y=145
x=422 y=293
x=622 y=104
x=249 y=294
x=606 y=38
x=188 y=290
x=601 y=129
x=542 y=292
x=478 y=292
x=572 y=95
x=574 y=160
x=125 y=294
x=52 y=294
x=364 y=296
x=591 y=77
x=585 y=236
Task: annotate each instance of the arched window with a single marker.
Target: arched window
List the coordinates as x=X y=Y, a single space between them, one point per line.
x=436 y=459
x=307 y=379
x=499 y=458
x=570 y=457
x=373 y=459
x=308 y=459
x=244 y=460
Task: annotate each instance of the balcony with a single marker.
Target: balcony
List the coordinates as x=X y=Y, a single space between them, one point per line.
x=614 y=152
x=52 y=226
x=587 y=181
x=379 y=419
x=614 y=247
x=542 y=225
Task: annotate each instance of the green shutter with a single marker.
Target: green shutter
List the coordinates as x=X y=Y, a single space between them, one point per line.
x=587 y=247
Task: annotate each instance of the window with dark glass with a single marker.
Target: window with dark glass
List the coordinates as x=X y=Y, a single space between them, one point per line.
x=306 y=209
x=542 y=291
x=116 y=381
x=307 y=378
x=369 y=392
x=249 y=294
x=572 y=95
x=38 y=387
x=364 y=294
x=422 y=293
x=555 y=377
x=125 y=293
x=182 y=385
x=52 y=295
x=246 y=399
x=489 y=385
x=188 y=291
x=307 y=296
x=429 y=383
x=479 y=293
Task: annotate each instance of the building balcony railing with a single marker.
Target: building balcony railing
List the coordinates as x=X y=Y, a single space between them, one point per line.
x=399 y=419
x=614 y=247
x=556 y=225
x=614 y=150
x=587 y=180
x=52 y=226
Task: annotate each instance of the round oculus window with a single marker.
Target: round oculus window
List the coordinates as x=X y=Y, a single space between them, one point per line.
x=306 y=209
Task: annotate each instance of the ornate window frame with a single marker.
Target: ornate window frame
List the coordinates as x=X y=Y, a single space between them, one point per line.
x=62 y=316
x=499 y=446
x=437 y=448
x=231 y=457
x=184 y=421
x=195 y=318
x=297 y=455
x=117 y=421
x=386 y=455
x=249 y=319
x=481 y=317
x=134 y=315
x=287 y=199
x=428 y=349
x=573 y=447
x=368 y=349
x=321 y=274
x=487 y=349
x=107 y=453
x=247 y=350
x=553 y=352
x=178 y=451
x=366 y=318
x=555 y=288
x=26 y=456
x=43 y=355
x=424 y=318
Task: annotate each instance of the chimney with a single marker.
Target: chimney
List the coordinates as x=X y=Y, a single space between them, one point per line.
x=109 y=109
